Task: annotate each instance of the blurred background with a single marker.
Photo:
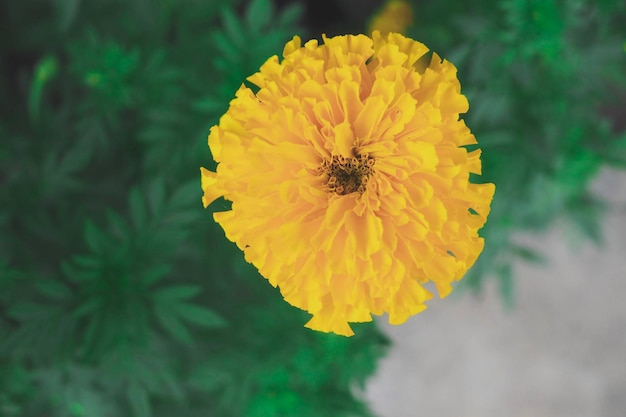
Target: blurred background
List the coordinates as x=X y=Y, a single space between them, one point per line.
x=119 y=296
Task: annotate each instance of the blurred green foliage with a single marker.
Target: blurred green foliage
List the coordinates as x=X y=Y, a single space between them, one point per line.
x=119 y=296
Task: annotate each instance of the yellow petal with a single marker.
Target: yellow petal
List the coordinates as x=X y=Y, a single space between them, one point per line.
x=344 y=140
x=291 y=46
x=365 y=232
x=209 y=186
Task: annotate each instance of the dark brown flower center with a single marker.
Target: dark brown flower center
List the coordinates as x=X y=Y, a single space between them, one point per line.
x=347 y=175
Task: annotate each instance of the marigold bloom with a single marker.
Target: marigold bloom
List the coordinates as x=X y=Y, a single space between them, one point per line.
x=395 y=16
x=349 y=178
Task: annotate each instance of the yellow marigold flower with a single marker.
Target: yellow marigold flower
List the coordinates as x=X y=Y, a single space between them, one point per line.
x=395 y=16
x=349 y=179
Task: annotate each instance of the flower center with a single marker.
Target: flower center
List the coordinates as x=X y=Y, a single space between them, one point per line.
x=347 y=175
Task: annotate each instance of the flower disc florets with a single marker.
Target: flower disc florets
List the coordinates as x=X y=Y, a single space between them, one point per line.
x=349 y=178
x=348 y=175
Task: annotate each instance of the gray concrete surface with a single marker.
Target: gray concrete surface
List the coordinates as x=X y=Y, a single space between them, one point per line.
x=560 y=352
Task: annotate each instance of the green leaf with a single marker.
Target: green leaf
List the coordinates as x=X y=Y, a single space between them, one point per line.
x=154 y=274
x=188 y=195
x=93 y=330
x=234 y=29
x=211 y=105
x=173 y=326
x=28 y=310
x=207 y=378
x=139 y=401
x=183 y=218
x=199 y=315
x=529 y=255
x=175 y=293
x=53 y=289
x=156 y=195
x=45 y=70
x=87 y=307
x=84 y=261
x=118 y=225
x=137 y=208
x=493 y=138
x=94 y=237
x=290 y=15
x=74 y=159
x=259 y=14
x=227 y=50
